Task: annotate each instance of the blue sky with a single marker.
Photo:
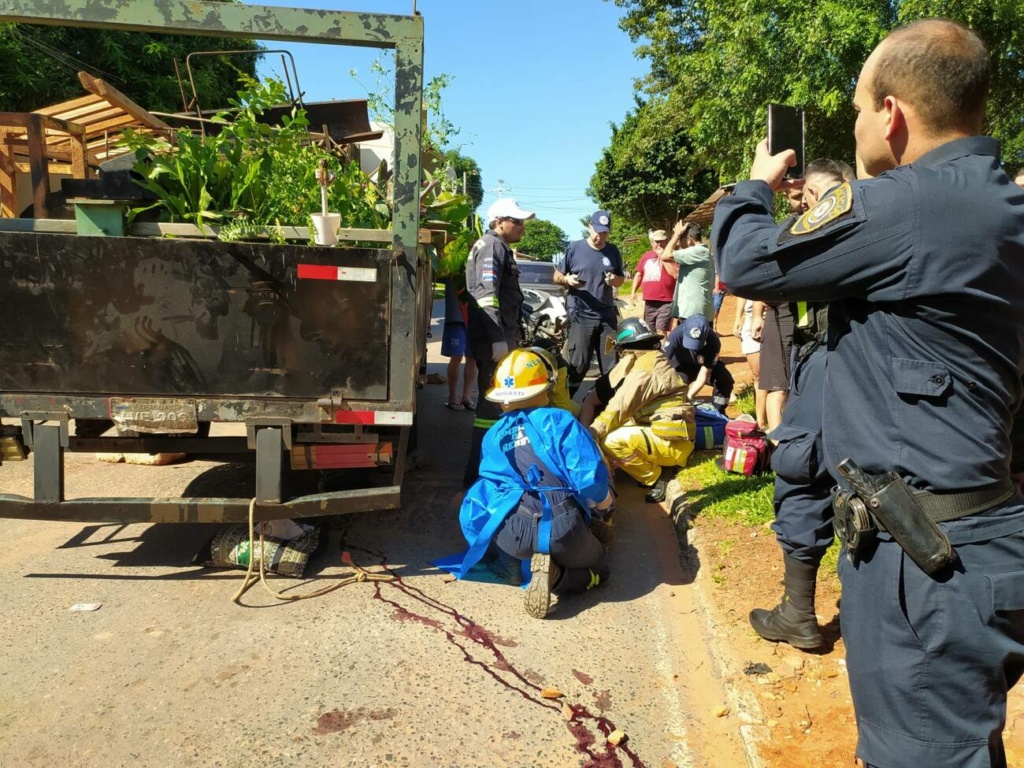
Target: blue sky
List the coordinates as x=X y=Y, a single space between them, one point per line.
x=535 y=86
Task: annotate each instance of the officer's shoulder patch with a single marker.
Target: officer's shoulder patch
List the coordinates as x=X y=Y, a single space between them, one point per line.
x=835 y=205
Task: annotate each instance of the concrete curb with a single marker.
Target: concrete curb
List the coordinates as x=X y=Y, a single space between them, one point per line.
x=742 y=703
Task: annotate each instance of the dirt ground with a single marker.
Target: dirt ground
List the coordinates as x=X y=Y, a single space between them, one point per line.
x=806 y=711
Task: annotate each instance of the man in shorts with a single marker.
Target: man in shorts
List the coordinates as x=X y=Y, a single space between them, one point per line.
x=657 y=280
x=453 y=346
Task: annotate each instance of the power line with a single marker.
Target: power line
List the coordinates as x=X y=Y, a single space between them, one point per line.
x=70 y=63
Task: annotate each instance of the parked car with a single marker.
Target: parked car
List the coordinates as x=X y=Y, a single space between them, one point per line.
x=538 y=276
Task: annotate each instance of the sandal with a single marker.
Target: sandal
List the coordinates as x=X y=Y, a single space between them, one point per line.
x=455 y=406
x=468 y=405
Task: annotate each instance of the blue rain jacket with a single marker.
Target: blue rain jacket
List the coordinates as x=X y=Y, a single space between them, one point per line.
x=561 y=448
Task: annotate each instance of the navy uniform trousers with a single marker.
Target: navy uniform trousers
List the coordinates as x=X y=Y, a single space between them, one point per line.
x=922 y=268
x=902 y=626
x=803 y=485
x=905 y=631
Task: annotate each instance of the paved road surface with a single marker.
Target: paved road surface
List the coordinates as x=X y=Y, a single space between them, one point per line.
x=423 y=671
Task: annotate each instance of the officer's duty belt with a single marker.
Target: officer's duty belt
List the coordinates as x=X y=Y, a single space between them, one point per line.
x=885 y=502
x=943 y=507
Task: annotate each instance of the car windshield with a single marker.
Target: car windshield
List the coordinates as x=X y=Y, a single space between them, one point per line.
x=536 y=272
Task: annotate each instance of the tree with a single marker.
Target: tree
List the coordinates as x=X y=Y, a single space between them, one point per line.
x=719 y=62
x=466 y=169
x=42 y=63
x=542 y=239
x=650 y=173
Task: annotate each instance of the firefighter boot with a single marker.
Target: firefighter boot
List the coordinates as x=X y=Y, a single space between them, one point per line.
x=545 y=572
x=792 y=620
x=656 y=493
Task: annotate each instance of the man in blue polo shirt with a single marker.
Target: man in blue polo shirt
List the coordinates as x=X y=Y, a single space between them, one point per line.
x=693 y=350
x=592 y=269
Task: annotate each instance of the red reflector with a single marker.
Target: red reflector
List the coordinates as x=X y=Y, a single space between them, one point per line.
x=340 y=456
x=317 y=272
x=353 y=417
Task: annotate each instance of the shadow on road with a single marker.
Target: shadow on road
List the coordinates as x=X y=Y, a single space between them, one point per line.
x=645 y=556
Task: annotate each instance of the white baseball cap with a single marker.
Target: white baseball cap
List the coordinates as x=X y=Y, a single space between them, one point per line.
x=506 y=208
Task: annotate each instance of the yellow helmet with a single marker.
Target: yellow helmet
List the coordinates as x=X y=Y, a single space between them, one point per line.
x=521 y=375
x=549 y=362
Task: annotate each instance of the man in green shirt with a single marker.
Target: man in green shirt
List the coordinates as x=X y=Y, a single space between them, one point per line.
x=696 y=281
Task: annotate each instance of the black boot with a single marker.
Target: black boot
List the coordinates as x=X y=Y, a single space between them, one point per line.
x=792 y=620
x=657 y=492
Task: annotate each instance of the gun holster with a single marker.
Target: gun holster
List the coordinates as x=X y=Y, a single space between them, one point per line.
x=855 y=527
x=893 y=508
x=896 y=509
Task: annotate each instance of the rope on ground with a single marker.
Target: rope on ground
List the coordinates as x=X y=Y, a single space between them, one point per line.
x=359 y=575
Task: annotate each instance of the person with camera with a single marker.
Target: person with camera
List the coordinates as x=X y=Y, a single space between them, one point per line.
x=591 y=269
x=922 y=267
x=695 y=280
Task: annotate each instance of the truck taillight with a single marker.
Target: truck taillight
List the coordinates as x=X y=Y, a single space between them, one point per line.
x=343 y=456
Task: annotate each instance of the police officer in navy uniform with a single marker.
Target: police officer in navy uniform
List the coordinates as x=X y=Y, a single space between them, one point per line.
x=803 y=485
x=923 y=270
x=694 y=350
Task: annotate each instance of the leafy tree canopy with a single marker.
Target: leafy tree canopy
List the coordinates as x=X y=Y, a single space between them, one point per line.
x=42 y=62
x=466 y=170
x=650 y=173
x=719 y=62
x=542 y=240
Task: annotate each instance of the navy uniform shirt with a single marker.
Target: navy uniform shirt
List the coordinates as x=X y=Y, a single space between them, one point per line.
x=593 y=297
x=688 y=362
x=492 y=280
x=924 y=271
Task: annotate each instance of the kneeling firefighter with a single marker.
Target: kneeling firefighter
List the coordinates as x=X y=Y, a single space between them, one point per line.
x=558 y=395
x=648 y=421
x=541 y=475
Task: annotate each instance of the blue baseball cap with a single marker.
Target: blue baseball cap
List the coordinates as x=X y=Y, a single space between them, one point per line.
x=601 y=221
x=695 y=330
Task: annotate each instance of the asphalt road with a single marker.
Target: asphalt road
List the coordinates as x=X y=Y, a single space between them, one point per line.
x=421 y=671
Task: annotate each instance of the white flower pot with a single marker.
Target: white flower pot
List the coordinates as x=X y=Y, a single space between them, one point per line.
x=325 y=228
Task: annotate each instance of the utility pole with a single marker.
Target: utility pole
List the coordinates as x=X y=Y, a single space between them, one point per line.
x=500 y=187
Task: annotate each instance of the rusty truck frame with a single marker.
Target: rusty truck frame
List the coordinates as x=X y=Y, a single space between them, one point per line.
x=315 y=350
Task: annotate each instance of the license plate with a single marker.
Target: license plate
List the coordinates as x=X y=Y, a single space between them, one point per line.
x=151 y=415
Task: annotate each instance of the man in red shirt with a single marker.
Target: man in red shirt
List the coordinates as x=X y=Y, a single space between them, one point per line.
x=657 y=280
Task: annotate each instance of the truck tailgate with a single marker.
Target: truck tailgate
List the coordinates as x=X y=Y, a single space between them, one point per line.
x=143 y=316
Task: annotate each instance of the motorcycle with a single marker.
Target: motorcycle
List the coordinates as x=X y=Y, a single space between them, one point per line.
x=543 y=318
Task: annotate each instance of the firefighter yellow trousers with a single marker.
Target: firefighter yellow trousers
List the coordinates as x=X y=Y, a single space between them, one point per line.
x=641 y=453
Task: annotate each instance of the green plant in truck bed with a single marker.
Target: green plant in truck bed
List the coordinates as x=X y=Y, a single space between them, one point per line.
x=252 y=171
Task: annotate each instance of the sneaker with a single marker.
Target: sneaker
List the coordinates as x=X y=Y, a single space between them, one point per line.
x=598 y=578
x=537 y=599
